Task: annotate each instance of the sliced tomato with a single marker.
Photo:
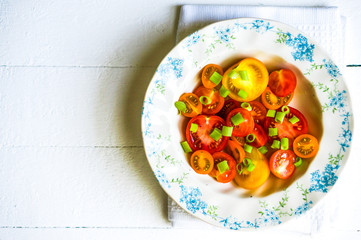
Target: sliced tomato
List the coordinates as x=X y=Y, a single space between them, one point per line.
x=271 y=101
x=258 y=112
x=240 y=140
x=281 y=163
x=216 y=100
x=260 y=137
x=202 y=162
x=194 y=107
x=245 y=127
x=255 y=84
x=228 y=106
x=282 y=82
x=200 y=140
x=286 y=100
x=258 y=176
x=207 y=72
x=286 y=129
x=305 y=146
x=228 y=175
x=234 y=149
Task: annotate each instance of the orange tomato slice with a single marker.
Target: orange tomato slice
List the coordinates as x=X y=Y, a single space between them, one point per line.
x=202 y=162
x=207 y=72
x=194 y=107
x=305 y=146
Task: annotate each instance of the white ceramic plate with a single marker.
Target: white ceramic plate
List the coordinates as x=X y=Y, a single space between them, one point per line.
x=321 y=95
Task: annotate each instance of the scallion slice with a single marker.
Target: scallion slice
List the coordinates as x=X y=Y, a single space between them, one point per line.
x=246 y=162
x=205 y=100
x=244 y=75
x=294 y=119
x=284 y=143
x=239 y=171
x=251 y=167
x=194 y=127
x=237 y=119
x=233 y=74
x=271 y=113
x=276 y=144
x=186 y=147
x=250 y=137
x=181 y=106
x=243 y=94
x=247 y=106
x=247 y=148
x=272 y=132
x=280 y=116
x=216 y=78
x=263 y=149
x=285 y=109
x=227 y=131
x=223 y=92
x=298 y=162
x=223 y=166
x=216 y=134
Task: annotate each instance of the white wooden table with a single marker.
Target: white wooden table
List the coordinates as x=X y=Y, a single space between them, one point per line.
x=72 y=79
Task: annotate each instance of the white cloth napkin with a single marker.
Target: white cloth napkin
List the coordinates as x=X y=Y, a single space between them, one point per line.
x=322 y=24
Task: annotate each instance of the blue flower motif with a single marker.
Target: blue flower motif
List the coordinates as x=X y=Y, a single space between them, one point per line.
x=173 y=65
x=303 y=50
x=191 y=197
x=224 y=35
x=270 y=217
x=337 y=101
x=303 y=208
x=331 y=68
x=320 y=183
x=346 y=116
x=193 y=39
x=162 y=178
x=261 y=26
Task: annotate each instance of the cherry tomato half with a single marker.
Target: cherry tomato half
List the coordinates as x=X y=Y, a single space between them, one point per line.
x=286 y=128
x=245 y=127
x=228 y=106
x=258 y=112
x=254 y=86
x=240 y=140
x=260 y=137
x=305 y=146
x=281 y=163
x=194 y=107
x=202 y=162
x=207 y=72
x=216 y=100
x=228 y=175
x=271 y=101
x=200 y=140
x=257 y=177
x=234 y=149
x=282 y=82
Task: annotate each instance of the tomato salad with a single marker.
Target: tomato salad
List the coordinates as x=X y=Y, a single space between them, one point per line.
x=237 y=117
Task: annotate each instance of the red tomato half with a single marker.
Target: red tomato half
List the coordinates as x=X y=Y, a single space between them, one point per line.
x=282 y=82
x=258 y=112
x=245 y=127
x=260 y=136
x=216 y=103
x=228 y=175
x=286 y=128
x=228 y=106
x=200 y=139
x=281 y=163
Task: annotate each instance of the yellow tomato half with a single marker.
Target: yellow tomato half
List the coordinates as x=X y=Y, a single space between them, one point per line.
x=255 y=84
x=261 y=172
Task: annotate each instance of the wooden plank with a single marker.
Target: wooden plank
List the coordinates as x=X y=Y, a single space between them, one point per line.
x=79 y=187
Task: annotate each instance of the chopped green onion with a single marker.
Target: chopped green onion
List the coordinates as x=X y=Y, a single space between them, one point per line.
x=205 y=100
x=237 y=119
x=250 y=137
x=223 y=166
x=237 y=167
x=247 y=106
x=223 y=92
x=298 y=162
x=233 y=74
x=263 y=149
x=251 y=167
x=285 y=109
x=246 y=162
x=244 y=75
x=194 y=127
x=276 y=144
x=216 y=78
x=216 y=134
x=294 y=119
x=227 y=131
x=280 y=116
x=181 y=106
x=284 y=143
x=272 y=132
x=243 y=94
x=271 y=113
x=247 y=148
x=186 y=147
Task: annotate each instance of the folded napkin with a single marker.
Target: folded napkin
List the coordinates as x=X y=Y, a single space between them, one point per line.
x=322 y=24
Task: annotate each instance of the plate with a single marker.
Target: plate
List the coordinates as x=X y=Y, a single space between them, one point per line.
x=321 y=95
